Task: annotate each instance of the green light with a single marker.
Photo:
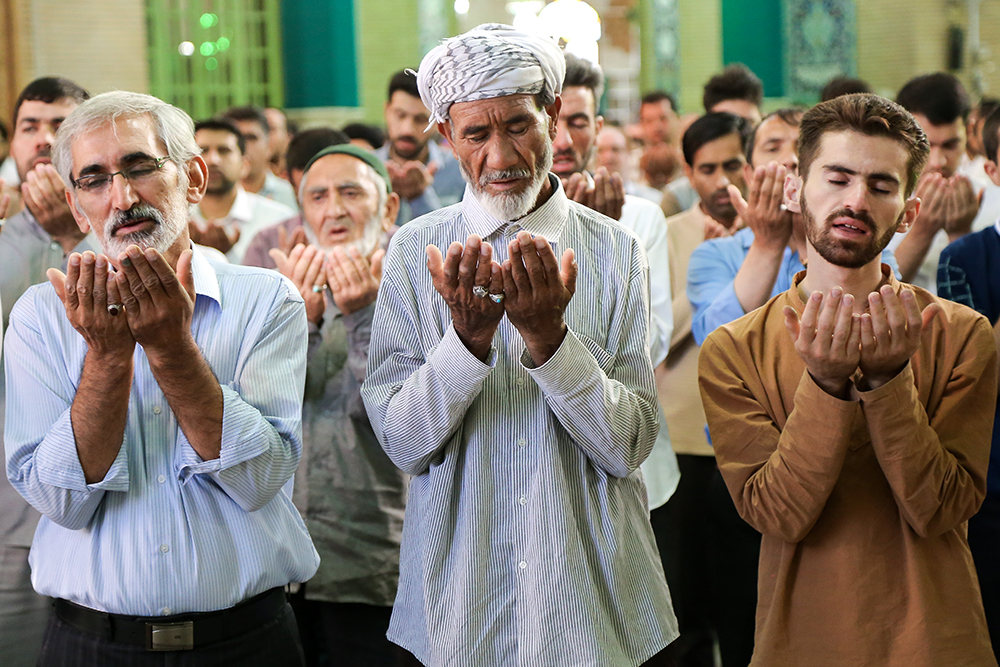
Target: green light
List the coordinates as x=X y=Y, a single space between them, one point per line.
x=211 y=64
x=208 y=48
x=223 y=44
x=208 y=20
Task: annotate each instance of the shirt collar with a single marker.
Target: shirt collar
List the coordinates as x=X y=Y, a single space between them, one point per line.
x=240 y=211
x=546 y=221
x=206 y=282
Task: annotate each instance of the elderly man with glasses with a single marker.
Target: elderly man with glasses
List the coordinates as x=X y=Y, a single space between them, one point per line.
x=155 y=415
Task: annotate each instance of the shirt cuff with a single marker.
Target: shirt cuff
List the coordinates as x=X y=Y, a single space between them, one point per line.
x=568 y=368
x=890 y=391
x=58 y=462
x=824 y=404
x=457 y=367
x=241 y=439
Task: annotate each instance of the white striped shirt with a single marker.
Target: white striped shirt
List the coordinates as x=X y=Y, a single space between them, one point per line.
x=165 y=532
x=527 y=538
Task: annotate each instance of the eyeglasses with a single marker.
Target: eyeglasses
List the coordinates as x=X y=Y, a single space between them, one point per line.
x=136 y=174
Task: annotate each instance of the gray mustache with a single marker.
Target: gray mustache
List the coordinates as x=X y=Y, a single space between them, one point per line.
x=504 y=175
x=137 y=212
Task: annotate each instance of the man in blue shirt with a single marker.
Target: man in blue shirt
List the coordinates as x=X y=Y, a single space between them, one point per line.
x=969 y=273
x=425 y=176
x=155 y=415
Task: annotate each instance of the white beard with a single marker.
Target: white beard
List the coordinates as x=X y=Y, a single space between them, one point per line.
x=511 y=206
x=366 y=245
x=169 y=226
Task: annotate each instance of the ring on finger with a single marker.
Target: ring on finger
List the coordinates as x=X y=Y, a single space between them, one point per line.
x=318 y=288
x=480 y=291
x=115 y=308
x=496 y=298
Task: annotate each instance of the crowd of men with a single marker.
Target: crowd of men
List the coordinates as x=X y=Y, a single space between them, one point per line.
x=503 y=383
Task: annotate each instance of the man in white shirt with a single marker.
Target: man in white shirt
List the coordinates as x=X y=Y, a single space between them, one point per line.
x=258 y=177
x=228 y=217
x=572 y=152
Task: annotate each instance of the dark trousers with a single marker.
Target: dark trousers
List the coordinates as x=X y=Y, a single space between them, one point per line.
x=347 y=634
x=710 y=556
x=734 y=559
x=274 y=644
x=984 y=541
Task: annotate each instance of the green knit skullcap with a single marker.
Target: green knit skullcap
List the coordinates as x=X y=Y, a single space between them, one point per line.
x=365 y=156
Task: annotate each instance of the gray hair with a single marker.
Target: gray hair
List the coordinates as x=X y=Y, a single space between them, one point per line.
x=380 y=186
x=173 y=127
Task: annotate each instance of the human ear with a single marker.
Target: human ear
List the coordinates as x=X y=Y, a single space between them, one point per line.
x=992 y=171
x=793 y=189
x=197 y=172
x=552 y=111
x=81 y=220
x=444 y=129
x=391 y=211
x=911 y=208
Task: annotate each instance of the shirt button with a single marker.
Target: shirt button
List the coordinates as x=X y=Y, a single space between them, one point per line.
x=522 y=442
x=156 y=410
x=164 y=548
x=519 y=382
x=522 y=500
x=161 y=479
x=522 y=565
x=165 y=611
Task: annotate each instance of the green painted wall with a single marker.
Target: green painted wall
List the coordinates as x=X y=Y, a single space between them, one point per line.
x=752 y=34
x=389 y=40
x=320 y=62
x=701 y=49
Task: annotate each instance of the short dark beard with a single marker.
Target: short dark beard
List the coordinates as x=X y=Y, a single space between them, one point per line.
x=224 y=187
x=421 y=147
x=836 y=253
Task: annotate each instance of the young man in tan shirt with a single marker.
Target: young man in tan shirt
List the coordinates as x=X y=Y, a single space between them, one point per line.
x=851 y=418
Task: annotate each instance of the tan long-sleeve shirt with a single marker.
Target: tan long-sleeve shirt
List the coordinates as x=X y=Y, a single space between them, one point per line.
x=862 y=503
x=677 y=377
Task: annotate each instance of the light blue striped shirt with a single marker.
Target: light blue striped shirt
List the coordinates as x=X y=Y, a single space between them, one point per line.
x=527 y=537
x=166 y=532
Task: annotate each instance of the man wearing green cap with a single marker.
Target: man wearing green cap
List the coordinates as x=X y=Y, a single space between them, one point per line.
x=348 y=491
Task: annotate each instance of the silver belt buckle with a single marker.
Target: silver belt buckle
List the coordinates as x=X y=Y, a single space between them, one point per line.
x=170 y=636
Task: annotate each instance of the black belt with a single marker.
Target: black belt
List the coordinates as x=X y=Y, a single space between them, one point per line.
x=175 y=633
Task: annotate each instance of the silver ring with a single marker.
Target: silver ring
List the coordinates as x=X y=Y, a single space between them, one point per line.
x=114 y=309
x=480 y=291
x=496 y=298
x=318 y=288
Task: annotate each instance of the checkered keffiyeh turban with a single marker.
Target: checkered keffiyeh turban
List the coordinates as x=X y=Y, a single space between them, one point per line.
x=491 y=60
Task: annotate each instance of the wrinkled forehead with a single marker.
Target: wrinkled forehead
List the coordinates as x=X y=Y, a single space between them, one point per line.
x=339 y=169
x=114 y=140
x=493 y=109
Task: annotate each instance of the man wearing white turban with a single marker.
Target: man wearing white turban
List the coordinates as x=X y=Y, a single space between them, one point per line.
x=516 y=389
